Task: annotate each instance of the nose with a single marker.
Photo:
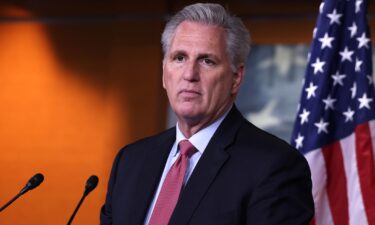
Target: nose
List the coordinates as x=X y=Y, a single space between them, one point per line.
x=191 y=72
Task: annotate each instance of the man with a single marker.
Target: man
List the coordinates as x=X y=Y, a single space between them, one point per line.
x=214 y=167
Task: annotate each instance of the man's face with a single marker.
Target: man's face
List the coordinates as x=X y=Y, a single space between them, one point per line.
x=197 y=73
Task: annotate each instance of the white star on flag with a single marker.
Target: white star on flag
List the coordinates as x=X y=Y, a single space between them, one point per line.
x=370 y=79
x=311 y=90
x=337 y=78
x=321 y=7
x=318 y=66
x=353 y=30
x=363 y=41
x=364 y=101
x=334 y=17
x=353 y=90
x=314 y=32
x=358 y=64
x=348 y=114
x=326 y=41
x=322 y=126
x=346 y=54
x=304 y=116
x=299 y=141
x=329 y=102
x=358 y=5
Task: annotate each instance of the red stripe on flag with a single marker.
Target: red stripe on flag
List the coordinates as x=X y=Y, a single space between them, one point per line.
x=366 y=169
x=336 y=184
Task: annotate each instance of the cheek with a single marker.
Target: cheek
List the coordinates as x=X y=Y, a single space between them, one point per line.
x=220 y=93
x=166 y=77
x=220 y=87
x=168 y=83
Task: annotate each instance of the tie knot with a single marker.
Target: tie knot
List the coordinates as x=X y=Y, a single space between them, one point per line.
x=186 y=148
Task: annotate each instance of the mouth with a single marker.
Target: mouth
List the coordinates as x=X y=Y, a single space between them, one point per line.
x=187 y=93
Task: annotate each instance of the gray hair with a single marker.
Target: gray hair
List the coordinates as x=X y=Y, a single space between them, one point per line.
x=238 y=37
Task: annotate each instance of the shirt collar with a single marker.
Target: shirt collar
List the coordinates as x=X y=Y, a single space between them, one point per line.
x=200 y=139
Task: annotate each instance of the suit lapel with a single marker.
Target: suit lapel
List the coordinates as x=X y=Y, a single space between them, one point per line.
x=149 y=177
x=213 y=158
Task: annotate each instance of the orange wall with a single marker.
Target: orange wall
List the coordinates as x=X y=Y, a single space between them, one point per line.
x=70 y=97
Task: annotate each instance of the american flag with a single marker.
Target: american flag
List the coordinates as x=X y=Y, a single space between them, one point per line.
x=335 y=126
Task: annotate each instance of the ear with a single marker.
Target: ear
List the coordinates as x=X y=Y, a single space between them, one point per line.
x=237 y=78
x=163 y=77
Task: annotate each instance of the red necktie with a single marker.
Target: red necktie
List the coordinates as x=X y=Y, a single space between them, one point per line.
x=172 y=185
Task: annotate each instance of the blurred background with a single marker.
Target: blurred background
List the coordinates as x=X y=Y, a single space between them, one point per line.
x=80 y=79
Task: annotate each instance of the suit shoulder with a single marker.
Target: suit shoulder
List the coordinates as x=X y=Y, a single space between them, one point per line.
x=250 y=130
x=263 y=142
x=136 y=152
x=269 y=153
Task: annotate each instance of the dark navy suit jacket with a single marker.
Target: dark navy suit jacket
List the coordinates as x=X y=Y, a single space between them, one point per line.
x=245 y=176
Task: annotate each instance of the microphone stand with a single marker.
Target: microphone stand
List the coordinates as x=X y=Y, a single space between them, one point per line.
x=76 y=210
x=11 y=201
x=90 y=185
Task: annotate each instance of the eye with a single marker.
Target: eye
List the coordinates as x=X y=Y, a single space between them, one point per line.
x=208 y=61
x=179 y=58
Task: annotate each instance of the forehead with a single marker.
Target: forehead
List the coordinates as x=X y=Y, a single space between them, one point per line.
x=193 y=35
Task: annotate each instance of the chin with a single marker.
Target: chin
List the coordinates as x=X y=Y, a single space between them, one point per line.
x=188 y=114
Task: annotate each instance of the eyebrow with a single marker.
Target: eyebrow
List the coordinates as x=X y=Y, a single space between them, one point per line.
x=200 y=56
x=178 y=52
x=207 y=55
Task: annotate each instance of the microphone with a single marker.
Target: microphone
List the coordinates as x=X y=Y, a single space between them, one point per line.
x=34 y=182
x=91 y=184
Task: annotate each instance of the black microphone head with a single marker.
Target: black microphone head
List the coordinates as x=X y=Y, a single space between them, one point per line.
x=91 y=184
x=35 y=181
